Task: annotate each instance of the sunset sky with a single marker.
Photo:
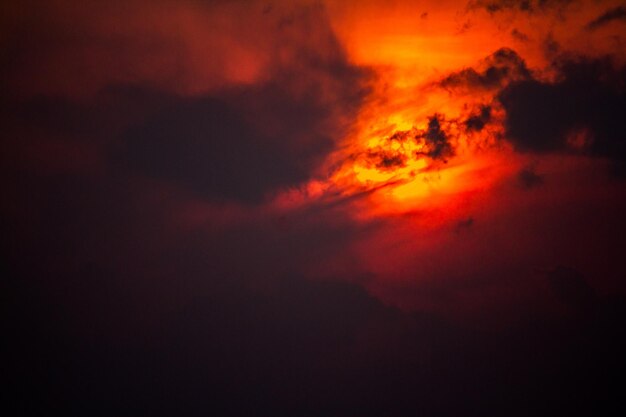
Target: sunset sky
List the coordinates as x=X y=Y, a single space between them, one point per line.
x=314 y=208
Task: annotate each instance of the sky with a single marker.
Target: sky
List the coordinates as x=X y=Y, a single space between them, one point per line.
x=313 y=208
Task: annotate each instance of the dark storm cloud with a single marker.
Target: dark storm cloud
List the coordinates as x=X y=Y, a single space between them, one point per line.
x=587 y=100
x=612 y=15
x=502 y=66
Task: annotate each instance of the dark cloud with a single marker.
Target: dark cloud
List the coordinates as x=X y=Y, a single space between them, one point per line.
x=387 y=160
x=434 y=141
x=501 y=67
x=212 y=145
x=588 y=97
x=611 y=15
x=208 y=146
x=437 y=139
x=246 y=142
x=477 y=121
x=237 y=142
x=520 y=36
x=113 y=109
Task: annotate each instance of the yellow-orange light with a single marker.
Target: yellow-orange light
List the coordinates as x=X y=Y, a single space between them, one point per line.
x=409 y=51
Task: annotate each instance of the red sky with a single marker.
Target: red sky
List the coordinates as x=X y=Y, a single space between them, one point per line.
x=458 y=161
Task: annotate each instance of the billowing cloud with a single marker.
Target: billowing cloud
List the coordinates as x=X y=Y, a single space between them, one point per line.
x=579 y=110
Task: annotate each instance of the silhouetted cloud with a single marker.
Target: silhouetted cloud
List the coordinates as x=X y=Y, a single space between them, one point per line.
x=477 y=121
x=387 y=160
x=501 y=67
x=611 y=15
x=437 y=139
x=546 y=116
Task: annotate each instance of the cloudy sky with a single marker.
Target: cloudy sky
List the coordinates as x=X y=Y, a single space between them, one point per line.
x=313 y=208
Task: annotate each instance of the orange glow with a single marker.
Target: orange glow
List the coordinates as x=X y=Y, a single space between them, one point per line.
x=387 y=151
x=411 y=47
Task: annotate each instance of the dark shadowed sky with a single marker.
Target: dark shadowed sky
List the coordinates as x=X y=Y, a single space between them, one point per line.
x=313 y=208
